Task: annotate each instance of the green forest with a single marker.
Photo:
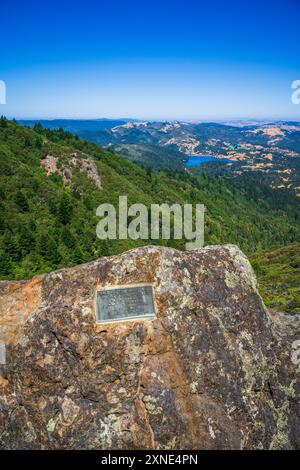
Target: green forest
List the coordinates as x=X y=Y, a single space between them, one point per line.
x=278 y=272
x=48 y=218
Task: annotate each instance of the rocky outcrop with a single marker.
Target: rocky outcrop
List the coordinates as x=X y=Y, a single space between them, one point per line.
x=65 y=167
x=212 y=371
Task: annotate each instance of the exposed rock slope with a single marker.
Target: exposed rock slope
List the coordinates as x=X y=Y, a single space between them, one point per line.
x=66 y=166
x=212 y=371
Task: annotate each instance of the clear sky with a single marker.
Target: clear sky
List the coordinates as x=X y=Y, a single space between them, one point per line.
x=154 y=59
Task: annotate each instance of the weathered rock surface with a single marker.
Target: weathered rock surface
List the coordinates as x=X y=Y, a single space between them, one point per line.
x=213 y=371
x=65 y=169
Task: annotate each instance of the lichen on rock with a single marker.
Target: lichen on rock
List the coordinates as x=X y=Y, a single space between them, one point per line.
x=212 y=371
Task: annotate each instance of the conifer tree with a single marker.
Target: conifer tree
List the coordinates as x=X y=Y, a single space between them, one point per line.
x=11 y=246
x=21 y=201
x=78 y=255
x=48 y=248
x=65 y=209
x=5 y=263
x=67 y=238
x=26 y=239
x=3 y=121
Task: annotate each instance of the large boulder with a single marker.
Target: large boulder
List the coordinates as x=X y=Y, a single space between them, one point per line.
x=212 y=371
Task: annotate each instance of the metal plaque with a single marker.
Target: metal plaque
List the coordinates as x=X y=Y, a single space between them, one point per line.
x=2 y=353
x=125 y=303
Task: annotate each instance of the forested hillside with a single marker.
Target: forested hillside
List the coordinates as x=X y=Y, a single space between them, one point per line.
x=52 y=182
x=278 y=272
x=152 y=156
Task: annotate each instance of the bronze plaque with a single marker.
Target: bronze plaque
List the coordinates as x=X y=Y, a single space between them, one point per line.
x=125 y=303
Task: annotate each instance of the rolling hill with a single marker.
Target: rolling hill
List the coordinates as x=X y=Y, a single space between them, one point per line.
x=151 y=156
x=268 y=153
x=51 y=183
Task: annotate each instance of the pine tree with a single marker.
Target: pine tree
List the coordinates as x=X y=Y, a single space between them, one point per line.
x=67 y=238
x=11 y=246
x=27 y=141
x=26 y=239
x=52 y=253
x=38 y=143
x=78 y=255
x=3 y=121
x=5 y=264
x=38 y=128
x=65 y=209
x=52 y=204
x=47 y=248
x=21 y=202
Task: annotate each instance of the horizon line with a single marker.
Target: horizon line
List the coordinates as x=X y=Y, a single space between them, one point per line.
x=128 y=119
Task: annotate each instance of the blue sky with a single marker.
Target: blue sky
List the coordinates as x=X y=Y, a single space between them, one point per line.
x=150 y=60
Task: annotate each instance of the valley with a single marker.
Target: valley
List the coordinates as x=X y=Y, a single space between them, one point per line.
x=268 y=153
x=52 y=181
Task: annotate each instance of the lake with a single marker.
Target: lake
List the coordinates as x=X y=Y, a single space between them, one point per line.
x=197 y=160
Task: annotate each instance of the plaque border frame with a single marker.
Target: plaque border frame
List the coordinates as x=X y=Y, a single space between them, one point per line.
x=149 y=317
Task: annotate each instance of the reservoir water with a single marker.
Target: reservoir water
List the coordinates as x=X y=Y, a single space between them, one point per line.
x=197 y=160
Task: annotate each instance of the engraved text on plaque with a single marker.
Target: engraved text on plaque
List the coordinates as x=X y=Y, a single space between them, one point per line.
x=125 y=303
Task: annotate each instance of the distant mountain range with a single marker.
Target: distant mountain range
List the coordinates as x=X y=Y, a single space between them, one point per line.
x=75 y=125
x=268 y=152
